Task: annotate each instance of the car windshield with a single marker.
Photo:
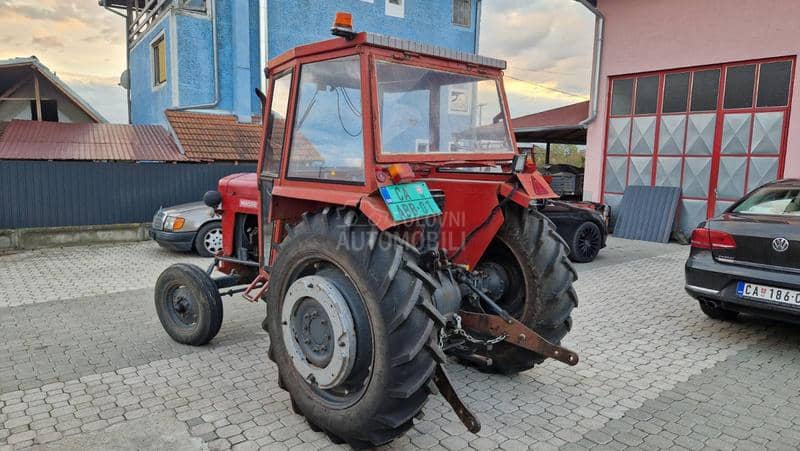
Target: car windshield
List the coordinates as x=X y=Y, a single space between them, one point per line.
x=425 y=110
x=772 y=200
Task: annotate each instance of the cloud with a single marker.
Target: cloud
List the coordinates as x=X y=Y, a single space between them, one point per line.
x=50 y=10
x=80 y=41
x=107 y=98
x=47 y=42
x=546 y=42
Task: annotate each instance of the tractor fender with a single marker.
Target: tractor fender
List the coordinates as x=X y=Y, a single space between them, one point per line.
x=376 y=210
x=535 y=185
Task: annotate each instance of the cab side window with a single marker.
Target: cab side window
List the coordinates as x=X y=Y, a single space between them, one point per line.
x=276 y=127
x=327 y=140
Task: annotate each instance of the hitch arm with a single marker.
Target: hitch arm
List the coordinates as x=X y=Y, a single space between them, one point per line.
x=517 y=334
x=445 y=386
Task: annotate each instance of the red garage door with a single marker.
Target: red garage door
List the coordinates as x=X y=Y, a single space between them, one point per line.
x=714 y=131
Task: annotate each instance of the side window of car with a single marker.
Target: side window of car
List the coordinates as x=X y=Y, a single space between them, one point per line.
x=327 y=140
x=276 y=127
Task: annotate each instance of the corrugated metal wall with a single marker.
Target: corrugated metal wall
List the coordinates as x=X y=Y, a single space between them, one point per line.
x=66 y=193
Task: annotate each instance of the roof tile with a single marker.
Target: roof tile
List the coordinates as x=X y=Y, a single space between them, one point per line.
x=205 y=136
x=563 y=116
x=33 y=140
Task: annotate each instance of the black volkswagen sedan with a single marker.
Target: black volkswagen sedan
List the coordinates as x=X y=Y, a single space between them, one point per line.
x=748 y=259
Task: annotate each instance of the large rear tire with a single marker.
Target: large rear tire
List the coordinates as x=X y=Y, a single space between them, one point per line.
x=188 y=304
x=539 y=292
x=394 y=348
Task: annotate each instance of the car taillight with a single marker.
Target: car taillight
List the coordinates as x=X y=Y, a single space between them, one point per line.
x=712 y=239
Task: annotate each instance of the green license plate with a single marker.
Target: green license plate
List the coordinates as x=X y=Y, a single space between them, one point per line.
x=409 y=201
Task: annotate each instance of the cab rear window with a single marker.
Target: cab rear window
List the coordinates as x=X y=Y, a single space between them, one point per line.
x=773 y=200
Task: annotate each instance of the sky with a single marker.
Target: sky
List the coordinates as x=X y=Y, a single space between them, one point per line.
x=547 y=43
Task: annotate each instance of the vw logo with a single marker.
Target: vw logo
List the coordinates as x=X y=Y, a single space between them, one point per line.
x=780 y=244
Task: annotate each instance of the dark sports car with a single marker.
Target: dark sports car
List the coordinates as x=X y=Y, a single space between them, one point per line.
x=747 y=260
x=583 y=225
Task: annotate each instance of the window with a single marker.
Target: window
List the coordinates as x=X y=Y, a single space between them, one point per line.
x=773 y=84
x=450 y=111
x=395 y=8
x=622 y=94
x=194 y=5
x=276 y=128
x=739 y=82
x=159 y=47
x=646 y=95
x=49 y=111
x=327 y=141
x=771 y=201
x=705 y=88
x=462 y=12
x=676 y=92
x=719 y=132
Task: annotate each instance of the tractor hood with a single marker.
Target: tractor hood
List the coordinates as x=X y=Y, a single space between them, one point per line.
x=240 y=185
x=240 y=191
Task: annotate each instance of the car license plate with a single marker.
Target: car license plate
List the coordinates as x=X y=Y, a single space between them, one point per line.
x=766 y=293
x=409 y=201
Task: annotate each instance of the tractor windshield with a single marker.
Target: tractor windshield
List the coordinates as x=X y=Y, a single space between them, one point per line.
x=426 y=110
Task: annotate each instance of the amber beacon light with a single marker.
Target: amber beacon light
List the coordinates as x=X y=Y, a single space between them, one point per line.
x=343 y=25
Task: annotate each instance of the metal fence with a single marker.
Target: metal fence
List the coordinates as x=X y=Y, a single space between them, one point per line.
x=62 y=193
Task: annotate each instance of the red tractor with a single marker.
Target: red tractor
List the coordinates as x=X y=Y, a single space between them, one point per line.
x=391 y=224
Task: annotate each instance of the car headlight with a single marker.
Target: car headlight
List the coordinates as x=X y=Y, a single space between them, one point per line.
x=174 y=223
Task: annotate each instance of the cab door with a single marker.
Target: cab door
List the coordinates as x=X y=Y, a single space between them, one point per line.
x=273 y=144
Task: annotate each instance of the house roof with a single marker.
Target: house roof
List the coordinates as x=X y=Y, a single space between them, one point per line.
x=33 y=140
x=206 y=136
x=34 y=63
x=558 y=125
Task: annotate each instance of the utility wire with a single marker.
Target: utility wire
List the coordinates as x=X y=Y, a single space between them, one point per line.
x=541 y=71
x=539 y=85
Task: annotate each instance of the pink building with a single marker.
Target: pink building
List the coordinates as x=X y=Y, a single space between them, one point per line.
x=695 y=94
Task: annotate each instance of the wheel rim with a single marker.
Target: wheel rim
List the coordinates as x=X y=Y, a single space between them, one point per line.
x=513 y=299
x=587 y=241
x=318 y=331
x=183 y=307
x=341 y=381
x=212 y=240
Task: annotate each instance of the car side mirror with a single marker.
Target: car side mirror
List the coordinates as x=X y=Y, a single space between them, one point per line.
x=212 y=198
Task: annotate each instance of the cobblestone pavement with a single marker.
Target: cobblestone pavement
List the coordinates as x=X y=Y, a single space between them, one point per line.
x=67 y=273
x=95 y=371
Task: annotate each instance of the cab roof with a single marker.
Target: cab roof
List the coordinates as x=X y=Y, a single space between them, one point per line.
x=387 y=42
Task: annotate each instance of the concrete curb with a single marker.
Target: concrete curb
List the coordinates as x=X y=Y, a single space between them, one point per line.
x=36 y=238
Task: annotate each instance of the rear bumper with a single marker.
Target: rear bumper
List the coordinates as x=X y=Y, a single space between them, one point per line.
x=709 y=280
x=176 y=241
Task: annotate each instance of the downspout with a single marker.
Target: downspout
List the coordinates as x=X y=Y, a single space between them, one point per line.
x=477 y=27
x=599 y=25
x=263 y=25
x=215 y=46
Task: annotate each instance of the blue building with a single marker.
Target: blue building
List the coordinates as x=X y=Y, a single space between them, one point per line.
x=208 y=55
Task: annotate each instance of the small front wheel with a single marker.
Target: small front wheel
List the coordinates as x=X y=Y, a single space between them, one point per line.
x=188 y=304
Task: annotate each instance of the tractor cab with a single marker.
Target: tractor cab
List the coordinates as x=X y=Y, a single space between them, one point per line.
x=391 y=223
x=352 y=118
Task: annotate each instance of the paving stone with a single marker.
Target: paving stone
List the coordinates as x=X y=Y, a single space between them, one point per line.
x=654 y=372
